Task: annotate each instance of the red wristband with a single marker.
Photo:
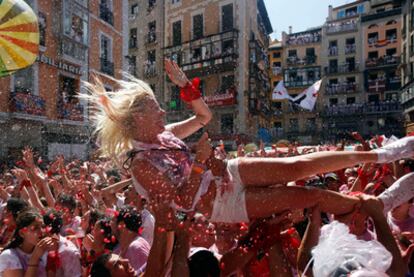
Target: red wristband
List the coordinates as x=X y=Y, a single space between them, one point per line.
x=191 y=91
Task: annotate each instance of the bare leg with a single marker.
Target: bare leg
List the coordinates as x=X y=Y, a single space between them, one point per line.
x=270 y=171
x=263 y=202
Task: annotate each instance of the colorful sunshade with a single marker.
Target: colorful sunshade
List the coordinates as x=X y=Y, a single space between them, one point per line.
x=19 y=36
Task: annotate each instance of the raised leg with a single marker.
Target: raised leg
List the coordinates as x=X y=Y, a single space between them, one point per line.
x=270 y=171
x=263 y=202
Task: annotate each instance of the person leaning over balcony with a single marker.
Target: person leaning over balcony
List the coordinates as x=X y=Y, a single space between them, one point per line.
x=130 y=128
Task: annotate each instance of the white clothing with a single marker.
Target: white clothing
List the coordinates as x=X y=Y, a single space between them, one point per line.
x=16 y=259
x=230 y=202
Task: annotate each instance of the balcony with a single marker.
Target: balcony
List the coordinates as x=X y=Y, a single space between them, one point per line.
x=407 y=94
x=299 y=83
x=340 y=69
x=349 y=26
x=106 y=14
x=222 y=99
x=210 y=55
x=341 y=88
x=359 y=109
x=380 y=15
x=384 y=84
x=277 y=133
x=107 y=66
x=26 y=103
x=70 y=111
x=382 y=61
x=304 y=38
x=150 y=38
x=277 y=70
x=307 y=60
x=150 y=69
x=350 y=49
x=333 y=51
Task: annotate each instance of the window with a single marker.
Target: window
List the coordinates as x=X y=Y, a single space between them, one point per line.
x=333 y=64
x=350 y=100
x=227 y=82
x=276 y=55
x=175 y=1
x=68 y=90
x=151 y=4
x=227 y=47
x=151 y=56
x=175 y=103
x=24 y=80
x=350 y=80
x=350 y=41
x=132 y=65
x=227 y=17
x=391 y=35
x=292 y=53
x=106 y=48
x=277 y=125
x=198 y=26
x=42 y=29
x=391 y=52
x=310 y=124
x=227 y=124
x=333 y=81
x=373 y=55
x=152 y=32
x=134 y=10
x=333 y=102
x=374 y=98
x=176 y=33
x=310 y=52
x=350 y=62
x=372 y=37
x=105 y=11
x=75 y=22
x=277 y=64
x=133 y=38
x=294 y=124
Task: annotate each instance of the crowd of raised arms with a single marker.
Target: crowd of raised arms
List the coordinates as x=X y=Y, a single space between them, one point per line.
x=153 y=206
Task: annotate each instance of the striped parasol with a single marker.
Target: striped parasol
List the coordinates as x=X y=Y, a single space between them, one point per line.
x=19 y=36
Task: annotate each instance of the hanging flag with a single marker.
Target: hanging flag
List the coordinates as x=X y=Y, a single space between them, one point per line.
x=19 y=36
x=307 y=99
x=280 y=92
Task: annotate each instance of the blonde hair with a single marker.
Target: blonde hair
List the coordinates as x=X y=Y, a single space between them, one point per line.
x=112 y=113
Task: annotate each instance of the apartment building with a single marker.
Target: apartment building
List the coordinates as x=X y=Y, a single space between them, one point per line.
x=301 y=68
x=224 y=43
x=407 y=65
x=381 y=34
x=343 y=90
x=146 y=43
x=39 y=105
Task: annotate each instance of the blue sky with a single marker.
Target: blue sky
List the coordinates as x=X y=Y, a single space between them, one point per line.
x=300 y=14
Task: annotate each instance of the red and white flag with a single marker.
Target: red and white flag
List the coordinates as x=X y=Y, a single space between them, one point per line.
x=307 y=99
x=280 y=92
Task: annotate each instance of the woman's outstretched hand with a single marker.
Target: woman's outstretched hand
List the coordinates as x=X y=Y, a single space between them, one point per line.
x=175 y=73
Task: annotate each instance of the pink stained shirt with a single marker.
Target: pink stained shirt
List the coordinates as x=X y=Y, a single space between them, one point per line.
x=137 y=252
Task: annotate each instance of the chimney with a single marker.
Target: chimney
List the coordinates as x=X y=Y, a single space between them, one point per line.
x=330 y=13
x=290 y=30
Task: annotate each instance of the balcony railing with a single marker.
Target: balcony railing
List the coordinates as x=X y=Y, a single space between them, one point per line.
x=70 y=111
x=407 y=93
x=381 y=85
x=382 y=61
x=276 y=70
x=107 y=66
x=22 y=102
x=151 y=37
x=350 y=26
x=150 y=69
x=307 y=60
x=382 y=14
x=341 y=88
x=350 y=49
x=344 y=68
x=300 y=83
x=356 y=109
x=333 y=51
x=106 y=14
x=304 y=38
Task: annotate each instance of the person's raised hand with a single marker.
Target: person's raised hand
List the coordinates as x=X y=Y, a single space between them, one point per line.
x=177 y=76
x=203 y=149
x=20 y=174
x=28 y=157
x=44 y=245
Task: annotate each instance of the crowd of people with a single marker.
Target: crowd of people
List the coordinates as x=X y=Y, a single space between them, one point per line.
x=152 y=206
